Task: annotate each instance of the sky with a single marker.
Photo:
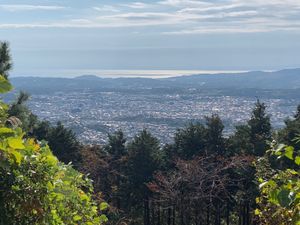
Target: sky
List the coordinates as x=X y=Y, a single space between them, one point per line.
x=61 y=37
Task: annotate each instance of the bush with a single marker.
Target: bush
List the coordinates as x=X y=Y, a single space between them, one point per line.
x=35 y=188
x=279 y=200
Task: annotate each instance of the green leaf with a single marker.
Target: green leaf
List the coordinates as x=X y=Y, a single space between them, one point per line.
x=77 y=218
x=273 y=197
x=17 y=155
x=15 y=143
x=284 y=197
x=289 y=152
x=257 y=212
x=297 y=160
x=5 y=86
x=52 y=160
x=103 y=206
x=5 y=130
x=103 y=219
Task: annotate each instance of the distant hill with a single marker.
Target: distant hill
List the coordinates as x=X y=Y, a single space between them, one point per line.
x=283 y=79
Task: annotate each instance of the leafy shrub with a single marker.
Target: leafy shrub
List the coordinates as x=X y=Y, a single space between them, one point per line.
x=279 y=200
x=35 y=188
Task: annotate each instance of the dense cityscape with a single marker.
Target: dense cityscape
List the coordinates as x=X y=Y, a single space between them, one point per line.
x=92 y=115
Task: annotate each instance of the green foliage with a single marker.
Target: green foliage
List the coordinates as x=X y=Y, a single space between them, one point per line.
x=19 y=109
x=197 y=139
x=289 y=133
x=260 y=129
x=5 y=60
x=64 y=144
x=38 y=189
x=188 y=142
x=279 y=200
x=252 y=138
x=143 y=160
x=214 y=135
x=116 y=144
x=5 y=85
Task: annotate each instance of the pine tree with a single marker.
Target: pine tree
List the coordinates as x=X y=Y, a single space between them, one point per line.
x=117 y=160
x=188 y=142
x=64 y=144
x=116 y=144
x=215 y=143
x=20 y=110
x=291 y=130
x=5 y=59
x=143 y=160
x=260 y=129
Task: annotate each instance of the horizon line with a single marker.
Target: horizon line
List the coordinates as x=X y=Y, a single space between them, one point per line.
x=151 y=74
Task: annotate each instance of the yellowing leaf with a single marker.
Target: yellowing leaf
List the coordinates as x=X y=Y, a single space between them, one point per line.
x=51 y=159
x=289 y=152
x=297 y=160
x=103 y=206
x=257 y=212
x=103 y=219
x=17 y=155
x=15 y=143
x=77 y=218
x=5 y=130
x=5 y=86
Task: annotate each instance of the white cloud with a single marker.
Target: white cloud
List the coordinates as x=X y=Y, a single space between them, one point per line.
x=185 y=16
x=137 y=5
x=184 y=3
x=16 y=8
x=106 y=8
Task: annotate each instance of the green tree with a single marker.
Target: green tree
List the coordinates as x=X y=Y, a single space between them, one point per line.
x=252 y=138
x=118 y=158
x=239 y=142
x=5 y=59
x=188 y=142
x=20 y=110
x=260 y=129
x=144 y=159
x=36 y=188
x=116 y=144
x=64 y=144
x=215 y=143
x=42 y=130
x=291 y=130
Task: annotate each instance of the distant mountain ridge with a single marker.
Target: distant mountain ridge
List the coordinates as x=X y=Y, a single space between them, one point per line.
x=283 y=79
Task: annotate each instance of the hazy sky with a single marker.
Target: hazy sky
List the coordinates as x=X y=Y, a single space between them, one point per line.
x=49 y=37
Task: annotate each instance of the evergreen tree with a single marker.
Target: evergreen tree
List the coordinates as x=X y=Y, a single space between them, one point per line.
x=239 y=142
x=260 y=129
x=117 y=160
x=20 y=110
x=215 y=143
x=64 y=144
x=41 y=130
x=116 y=144
x=188 y=142
x=5 y=59
x=143 y=160
x=291 y=130
x=252 y=137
